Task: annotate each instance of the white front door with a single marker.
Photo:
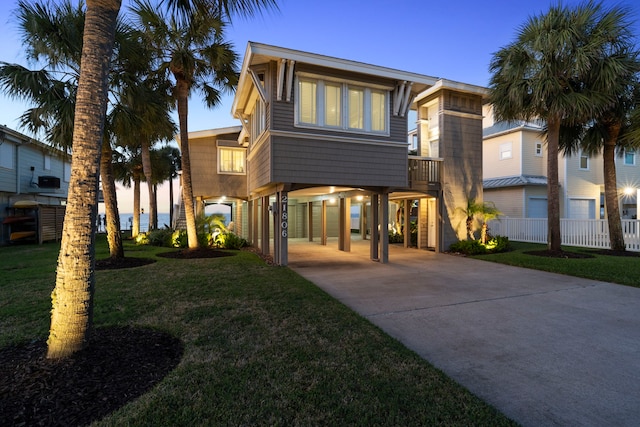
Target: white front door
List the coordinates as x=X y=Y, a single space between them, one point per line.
x=431 y=223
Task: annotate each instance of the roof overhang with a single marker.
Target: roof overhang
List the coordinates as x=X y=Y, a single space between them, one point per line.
x=442 y=84
x=258 y=53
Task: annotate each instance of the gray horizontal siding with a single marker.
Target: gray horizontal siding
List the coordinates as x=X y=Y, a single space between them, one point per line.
x=338 y=163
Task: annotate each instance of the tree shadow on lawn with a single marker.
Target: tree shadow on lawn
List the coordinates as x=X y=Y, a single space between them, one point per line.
x=119 y=365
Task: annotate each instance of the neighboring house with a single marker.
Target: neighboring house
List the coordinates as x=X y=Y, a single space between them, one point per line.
x=327 y=153
x=515 y=175
x=30 y=171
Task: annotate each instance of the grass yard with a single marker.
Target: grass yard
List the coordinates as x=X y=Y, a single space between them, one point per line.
x=624 y=270
x=262 y=346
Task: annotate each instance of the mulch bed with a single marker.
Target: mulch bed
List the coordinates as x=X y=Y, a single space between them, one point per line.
x=119 y=365
x=195 y=253
x=610 y=252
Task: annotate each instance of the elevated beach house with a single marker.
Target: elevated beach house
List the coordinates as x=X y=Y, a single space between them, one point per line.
x=34 y=179
x=322 y=154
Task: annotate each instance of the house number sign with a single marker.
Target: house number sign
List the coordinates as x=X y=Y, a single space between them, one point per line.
x=284 y=215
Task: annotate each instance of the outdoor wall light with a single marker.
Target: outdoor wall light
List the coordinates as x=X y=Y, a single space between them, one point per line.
x=628 y=191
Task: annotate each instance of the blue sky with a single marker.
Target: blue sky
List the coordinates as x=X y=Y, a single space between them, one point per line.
x=449 y=39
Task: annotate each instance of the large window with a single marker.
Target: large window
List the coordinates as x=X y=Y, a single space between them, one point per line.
x=231 y=160
x=341 y=105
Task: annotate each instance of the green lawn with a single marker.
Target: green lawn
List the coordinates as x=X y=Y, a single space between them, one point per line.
x=262 y=346
x=608 y=268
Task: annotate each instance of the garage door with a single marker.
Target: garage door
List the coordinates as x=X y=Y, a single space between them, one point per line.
x=582 y=209
x=537 y=208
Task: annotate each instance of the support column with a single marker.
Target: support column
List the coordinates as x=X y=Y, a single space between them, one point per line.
x=310 y=220
x=344 y=233
x=281 y=229
x=265 y=226
x=363 y=220
x=323 y=224
x=407 y=222
x=255 y=228
x=384 y=228
x=374 y=227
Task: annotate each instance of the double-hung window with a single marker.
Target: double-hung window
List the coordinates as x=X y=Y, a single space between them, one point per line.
x=231 y=160
x=584 y=161
x=342 y=106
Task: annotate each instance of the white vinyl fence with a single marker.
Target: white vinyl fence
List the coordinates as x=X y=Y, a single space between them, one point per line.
x=588 y=233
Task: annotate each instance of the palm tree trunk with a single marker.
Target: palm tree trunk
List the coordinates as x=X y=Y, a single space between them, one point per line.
x=135 y=227
x=146 y=169
x=182 y=90
x=616 y=237
x=171 y=201
x=72 y=297
x=112 y=223
x=553 y=191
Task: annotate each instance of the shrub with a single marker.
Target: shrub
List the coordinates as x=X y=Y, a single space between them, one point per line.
x=468 y=247
x=499 y=244
x=475 y=247
x=179 y=239
x=159 y=237
x=230 y=240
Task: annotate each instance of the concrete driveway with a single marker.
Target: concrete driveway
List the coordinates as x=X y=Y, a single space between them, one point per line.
x=545 y=349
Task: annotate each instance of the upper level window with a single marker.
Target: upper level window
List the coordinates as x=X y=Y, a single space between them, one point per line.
x=7 y=154
x=539 y=149
x=629 y=157
x=47 y=162
x=584 y=161
x=506 y=151
x=231 y=160
x=341 y=105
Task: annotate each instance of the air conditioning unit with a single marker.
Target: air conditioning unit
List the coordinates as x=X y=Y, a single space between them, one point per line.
x=48 y=182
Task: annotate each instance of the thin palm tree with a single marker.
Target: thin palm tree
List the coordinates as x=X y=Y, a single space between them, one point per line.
x=193 y=52
x=471 y=212
x=539 y=76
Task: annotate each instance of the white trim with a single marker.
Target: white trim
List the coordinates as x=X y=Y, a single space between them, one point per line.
x=325 y=137
x=290 y=73
x=219 y=158
x=280 y=84
x=259 y=49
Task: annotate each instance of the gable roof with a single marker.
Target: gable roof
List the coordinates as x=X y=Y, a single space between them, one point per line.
x=258 y=53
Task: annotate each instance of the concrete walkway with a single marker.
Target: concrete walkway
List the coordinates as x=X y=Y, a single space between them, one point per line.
x=545 y=349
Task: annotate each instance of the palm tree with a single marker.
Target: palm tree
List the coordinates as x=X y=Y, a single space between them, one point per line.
x=471 y=211
x=488 y=212
x=165 y=161
x=540 y=76
x=127 y=166
x=72 y=298
x=609 y=133
x=192 y=51
x=51 y=34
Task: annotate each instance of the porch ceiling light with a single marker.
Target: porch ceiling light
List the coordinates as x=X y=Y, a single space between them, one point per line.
x=628 y=191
